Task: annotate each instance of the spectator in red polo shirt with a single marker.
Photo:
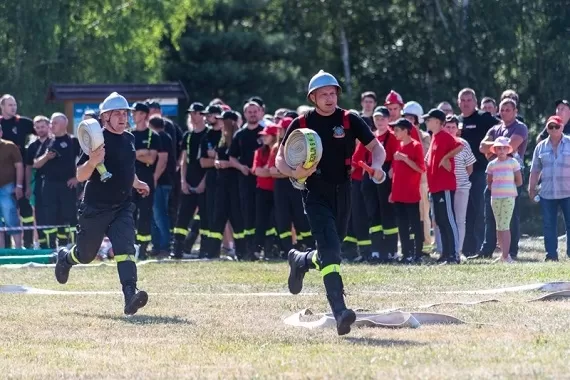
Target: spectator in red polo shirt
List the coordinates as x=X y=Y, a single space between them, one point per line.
x=264 y=189
x=442 y=183
x=407 y=169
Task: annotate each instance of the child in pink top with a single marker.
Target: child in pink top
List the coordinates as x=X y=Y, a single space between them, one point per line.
x=503 y=177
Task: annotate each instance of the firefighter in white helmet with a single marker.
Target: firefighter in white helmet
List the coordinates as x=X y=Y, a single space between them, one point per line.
x=107 y=209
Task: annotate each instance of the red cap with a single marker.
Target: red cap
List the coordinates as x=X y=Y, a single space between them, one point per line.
x=270 y=130
x=285 y=122
x=394 y=98
x=555 y=120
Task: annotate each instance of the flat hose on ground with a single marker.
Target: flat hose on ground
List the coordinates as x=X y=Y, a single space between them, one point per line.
x=303 y=147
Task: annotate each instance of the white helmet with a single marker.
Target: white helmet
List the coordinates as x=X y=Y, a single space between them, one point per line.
x=114 y=102
x=415 y=109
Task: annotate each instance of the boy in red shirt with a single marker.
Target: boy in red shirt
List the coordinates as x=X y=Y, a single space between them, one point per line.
x=407 y=169
x=442 y=183
x=381 y=213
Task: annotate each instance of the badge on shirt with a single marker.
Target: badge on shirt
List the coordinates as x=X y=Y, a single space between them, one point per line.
x=471 y=126
x=15 y=130
x=63 y=144
x=338 y=132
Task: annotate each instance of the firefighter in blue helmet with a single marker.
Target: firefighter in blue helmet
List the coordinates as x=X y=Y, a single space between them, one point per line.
x=327 y=195
x=107 y=207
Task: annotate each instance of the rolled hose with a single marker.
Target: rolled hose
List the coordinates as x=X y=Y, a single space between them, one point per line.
x=303 y=147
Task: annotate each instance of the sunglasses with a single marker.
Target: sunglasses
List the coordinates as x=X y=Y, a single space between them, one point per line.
x=553 y=126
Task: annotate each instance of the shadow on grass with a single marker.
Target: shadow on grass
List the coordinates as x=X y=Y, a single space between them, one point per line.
x=383 y=342
x=139 y=319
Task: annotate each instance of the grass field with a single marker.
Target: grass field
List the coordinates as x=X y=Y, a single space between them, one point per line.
x=202 y=323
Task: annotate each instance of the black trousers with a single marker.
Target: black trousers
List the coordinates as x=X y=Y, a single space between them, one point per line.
x=409 y=223
x=96 y=222
x=40 y=212
x=227 y=207
x=359 y=220
x=27 y=218
x=143 y=214
x=117 y=223
x=328 y=209
x=382 y=217
x=247 y=185
x=174 y=200
x=289 y=211
x=59 y=209
x=263 y=219
x=186 y=211
x=445 y=219
x=207 y=215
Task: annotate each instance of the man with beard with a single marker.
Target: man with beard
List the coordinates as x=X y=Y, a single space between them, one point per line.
x=17 y=129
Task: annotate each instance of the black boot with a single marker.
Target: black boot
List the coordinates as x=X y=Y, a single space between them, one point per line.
x=335 y=294
x=178 y=249
x=62 y=266
x=143 y=248
x=298 y=266
x=134 y=300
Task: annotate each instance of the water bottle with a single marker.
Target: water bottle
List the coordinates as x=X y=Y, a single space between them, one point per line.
x=536 y=198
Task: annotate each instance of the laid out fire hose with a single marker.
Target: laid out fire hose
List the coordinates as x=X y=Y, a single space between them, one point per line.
x=303 y=147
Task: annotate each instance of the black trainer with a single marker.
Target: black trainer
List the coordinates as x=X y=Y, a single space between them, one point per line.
x=344 y=321
x=134 y=300
x=297 y=270
x=62 y=267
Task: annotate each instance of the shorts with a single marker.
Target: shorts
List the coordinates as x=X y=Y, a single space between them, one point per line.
x=503 y=212
x=8 y=209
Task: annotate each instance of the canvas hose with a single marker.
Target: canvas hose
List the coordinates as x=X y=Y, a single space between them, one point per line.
x=303 y=147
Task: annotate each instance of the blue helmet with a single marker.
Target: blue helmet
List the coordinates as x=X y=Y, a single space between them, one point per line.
x=322 y=79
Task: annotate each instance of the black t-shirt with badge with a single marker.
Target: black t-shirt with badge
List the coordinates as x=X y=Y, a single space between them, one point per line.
x=146 y=139
x=17 y=129
x=120 y=157
x=191 y=143
x=62 y=167
x=167 y=176
x=338 y=143
x=474 y=128
x=244 y=144
x=210 y=141
x=34 y=151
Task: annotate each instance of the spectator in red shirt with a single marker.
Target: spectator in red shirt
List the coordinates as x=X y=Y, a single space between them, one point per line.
x=381 y=215
x=264 y=189
x=442 y=183
x=407 y=169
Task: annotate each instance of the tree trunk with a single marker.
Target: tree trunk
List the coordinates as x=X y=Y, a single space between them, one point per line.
x=344 y=52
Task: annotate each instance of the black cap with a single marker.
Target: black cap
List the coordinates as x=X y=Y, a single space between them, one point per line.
x=381 y=110
x=196 y=107
x=436 y=114
x=228 y=115
x=212 y=110
x=402 y=123
x=141 y=107
x=153 y=104
x=291 y=114
x=255 y=99
x=562 y=101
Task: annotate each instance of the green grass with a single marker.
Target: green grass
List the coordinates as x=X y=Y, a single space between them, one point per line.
x=195 y=326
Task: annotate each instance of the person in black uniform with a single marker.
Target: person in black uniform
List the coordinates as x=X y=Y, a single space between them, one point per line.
x=246 y=141
x=107 y=207
x=147 y=145
x=227 y=204
x=193 y=185
x=207 y=161
x=59 y=182
x=36 y=156
x=164 y=175
x=17 y=129
x=327 y=194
